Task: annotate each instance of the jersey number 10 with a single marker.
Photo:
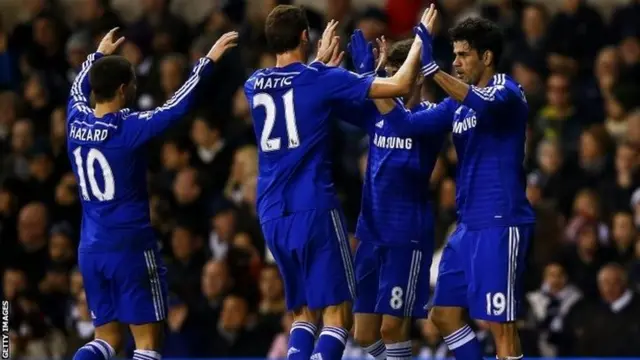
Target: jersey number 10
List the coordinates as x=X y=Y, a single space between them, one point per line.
x=266 y=100
x=107 y=175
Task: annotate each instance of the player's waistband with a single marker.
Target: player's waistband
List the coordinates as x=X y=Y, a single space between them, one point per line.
x=485 y=224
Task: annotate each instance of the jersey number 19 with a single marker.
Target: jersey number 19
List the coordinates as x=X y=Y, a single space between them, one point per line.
x=266 y=100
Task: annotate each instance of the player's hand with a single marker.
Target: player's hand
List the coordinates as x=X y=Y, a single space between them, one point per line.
x=381 y=54
x=224 y=43
x=362 y=54
x=424 y=32
x=326 y=41
x=429 y=18
x=336 y=56
x=326 y=53
x=108 y=45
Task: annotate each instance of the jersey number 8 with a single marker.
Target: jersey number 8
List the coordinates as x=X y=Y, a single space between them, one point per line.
x=266 y=100
x=109 y=185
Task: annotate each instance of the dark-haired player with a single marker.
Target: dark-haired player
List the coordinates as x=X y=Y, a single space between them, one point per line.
x=395 y=226
x=297 y=204
x=483 y=262
x=124 y=278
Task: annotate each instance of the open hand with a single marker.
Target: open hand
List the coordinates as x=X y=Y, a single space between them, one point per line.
x=424 y=32
x=328 y=42
x=362 y=54
x=336 y=56
x=224 y=43
x=381 y=54
x=107 y=45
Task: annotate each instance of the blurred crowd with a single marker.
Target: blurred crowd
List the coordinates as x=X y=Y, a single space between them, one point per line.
x=579 y=66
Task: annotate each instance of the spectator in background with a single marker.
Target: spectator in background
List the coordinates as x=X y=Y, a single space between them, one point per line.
x=62 y=249
x=235 y=334
x=555 y=176
x=32 y=253
x=243 y=168
x=279 y=346
x=592 y=155
x=189 y=198
x=223 y=227
x=584 y=259
x=80 y=327
x=548 y=308
x=616 y=189
x=216 y=282
x=608 y=327
x=529 y=46
x=175 y=157
x=578 y=32
x=66 y=207
x=183 y=336
x=22 y=139
x=532 y=84
x=560 y=119
x=189 y=256
x=213 y=154
x=634 y=268
x=272 y=307
x=9 y=103
x=623 y=234
x=156 y=16
x=58 y=141
x=91 y=14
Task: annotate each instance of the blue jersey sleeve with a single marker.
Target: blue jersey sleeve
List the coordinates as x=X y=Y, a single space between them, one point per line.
x=81 y=89
x=436 y=119
x=484 y=100
x=361 y=114
x=341 y=84
x=140 y=127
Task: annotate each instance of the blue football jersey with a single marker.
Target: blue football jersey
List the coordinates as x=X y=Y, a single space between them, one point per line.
x=291 y=109
x=108 y=158
x=396 y=202
x=489 y=133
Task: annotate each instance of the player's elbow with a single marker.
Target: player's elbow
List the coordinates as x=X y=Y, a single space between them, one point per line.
x=404 y=88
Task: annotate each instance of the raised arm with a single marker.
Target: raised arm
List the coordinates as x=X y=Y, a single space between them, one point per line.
x=435 y=120
x=400 y=83
x=81 y=88
x=141 y=127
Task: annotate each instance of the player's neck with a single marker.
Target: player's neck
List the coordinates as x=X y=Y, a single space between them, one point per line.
x=289 y=57
x=105 y=108
x=485 y=78
x=413 y=98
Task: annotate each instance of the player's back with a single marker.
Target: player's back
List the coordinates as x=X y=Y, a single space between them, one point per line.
x=291 y=109
x=490 y=145
x=111 y=176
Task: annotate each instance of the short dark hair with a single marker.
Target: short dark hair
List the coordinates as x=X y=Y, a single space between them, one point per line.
x=399 y=51
x=481 y=34
x=283 y=27
x=107 y=75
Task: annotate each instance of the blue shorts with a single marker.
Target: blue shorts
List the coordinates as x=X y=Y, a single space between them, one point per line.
x=482 y=270
x=312 y=251
x=128 y=287
x=392 y=280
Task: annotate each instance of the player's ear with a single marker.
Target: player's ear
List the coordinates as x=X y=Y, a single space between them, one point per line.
x=487 y=58
x=304 y=37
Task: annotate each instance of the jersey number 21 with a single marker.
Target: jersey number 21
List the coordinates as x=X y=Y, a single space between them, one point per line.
x=266 y=100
